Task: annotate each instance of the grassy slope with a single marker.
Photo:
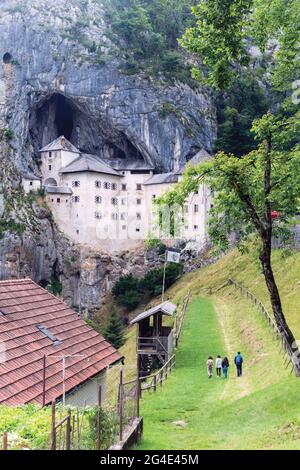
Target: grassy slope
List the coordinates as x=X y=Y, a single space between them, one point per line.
x=257 y=411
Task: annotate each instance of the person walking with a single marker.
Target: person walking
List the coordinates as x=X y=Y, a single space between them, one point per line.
x=218 y=366
x=238 y=360
x=210 y=365
x=225 y=365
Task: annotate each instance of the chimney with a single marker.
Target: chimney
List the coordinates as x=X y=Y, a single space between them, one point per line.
x=63 y=141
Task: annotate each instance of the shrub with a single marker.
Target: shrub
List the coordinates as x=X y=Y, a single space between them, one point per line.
x=115 y=330
x=130 y=299
x=125 y=283
x=9 y=133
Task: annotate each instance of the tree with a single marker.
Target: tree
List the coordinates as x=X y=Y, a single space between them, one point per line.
x=115 y=330
x=251 y=187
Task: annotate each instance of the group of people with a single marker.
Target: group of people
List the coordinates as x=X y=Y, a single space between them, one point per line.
x=222 y=365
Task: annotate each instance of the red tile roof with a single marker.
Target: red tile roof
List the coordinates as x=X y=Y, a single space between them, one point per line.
x=23 y=307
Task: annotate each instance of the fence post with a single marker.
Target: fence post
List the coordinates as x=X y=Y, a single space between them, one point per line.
x=68 y=431
x=121 y=404
x=138 y=396
x=154 y=383
x=5 y=441
x=161 y=377
x=53 y=429
x=99 y=421
x=44 y=380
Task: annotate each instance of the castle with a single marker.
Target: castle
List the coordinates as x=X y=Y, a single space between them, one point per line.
x=110 y=203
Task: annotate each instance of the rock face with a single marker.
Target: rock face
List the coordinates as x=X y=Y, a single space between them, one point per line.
x=54 y=83
x=60 y=74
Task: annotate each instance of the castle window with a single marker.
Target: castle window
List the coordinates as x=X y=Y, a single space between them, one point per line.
x=196 y=192
x=124 y=187
x=138 y=187
x=114 y=186
x=196 y=208
x=195 y=227
x=123 y=216
x=50 y=167
x=98 y=199
x=114 y=201
x=75 y=184
x=77 y=231
x=139 y=202
x=138 y=216
x=114 y=216
x=123 y=202
x=75 y=198
x=106 y=185
x=137 y=230
x=186 y=209
x=50 y=154
x=58 y=200
x=153 y=196
x=98 y=215
x=31 y=183
x=97 y=184
x=123 y=227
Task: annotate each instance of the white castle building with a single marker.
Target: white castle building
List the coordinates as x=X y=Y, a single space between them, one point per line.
x=110 y=203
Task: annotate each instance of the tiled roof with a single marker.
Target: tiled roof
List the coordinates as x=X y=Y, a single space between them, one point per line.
x=166 y=308
x=89 y=163
x=162 y=179
x=61 y=143
x=58 y=190
x=124 y=164
x=25 y=306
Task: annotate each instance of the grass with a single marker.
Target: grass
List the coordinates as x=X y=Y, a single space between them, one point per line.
x=258 y=411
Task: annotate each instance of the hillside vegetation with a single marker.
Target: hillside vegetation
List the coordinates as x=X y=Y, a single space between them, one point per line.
x=258 y=411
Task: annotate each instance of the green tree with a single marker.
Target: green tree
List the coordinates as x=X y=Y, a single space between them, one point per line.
x=250 y=189
x=115 y=330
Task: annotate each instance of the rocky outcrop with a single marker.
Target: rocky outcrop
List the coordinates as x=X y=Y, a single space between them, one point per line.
x=60 y=74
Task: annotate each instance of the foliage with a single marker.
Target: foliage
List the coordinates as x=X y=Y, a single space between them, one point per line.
x=150 y=29
x=156 y=243
x=125 y=283
x=130 y=299
x=244 y=102
x=225 y=29
x=11 y=226
x=55 y=286
x=153 y=279
x=115 y=330
x=9 y=133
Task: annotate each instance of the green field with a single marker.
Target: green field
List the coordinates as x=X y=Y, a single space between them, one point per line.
x=259 y=410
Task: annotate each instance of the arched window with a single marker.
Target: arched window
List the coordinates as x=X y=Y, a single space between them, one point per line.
x=7 y=58
x=50 y=182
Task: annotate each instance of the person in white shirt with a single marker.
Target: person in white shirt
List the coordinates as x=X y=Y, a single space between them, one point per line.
x=218 y=366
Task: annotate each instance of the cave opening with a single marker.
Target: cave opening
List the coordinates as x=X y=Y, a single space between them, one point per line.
x=63 y=116
x=7 y=58
x=59 y=115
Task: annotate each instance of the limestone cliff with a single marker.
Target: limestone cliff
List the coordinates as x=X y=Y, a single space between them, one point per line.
x=61 y=74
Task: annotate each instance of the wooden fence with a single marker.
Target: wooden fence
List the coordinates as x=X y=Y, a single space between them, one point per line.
x=179 y=320
x=285 y=346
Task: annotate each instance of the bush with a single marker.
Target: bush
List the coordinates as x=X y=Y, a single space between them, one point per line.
x=130 y=299
x=9 y=133
x=125 y=283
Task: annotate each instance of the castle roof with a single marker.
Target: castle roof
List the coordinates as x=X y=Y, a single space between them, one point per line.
x=125 y=164
x=30 y=176
x=58 y=190
x=162 y=178
x=199 y=157
x=35 y=324
x=61 y=143
x=89 y=163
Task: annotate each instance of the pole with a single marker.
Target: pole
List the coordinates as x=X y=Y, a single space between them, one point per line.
x=5 y=441
x=53 y=429
x=44 y=380
x=63 y=379
x=164 y=278
x=68 y=431
x=121 y=404
x=99 y=418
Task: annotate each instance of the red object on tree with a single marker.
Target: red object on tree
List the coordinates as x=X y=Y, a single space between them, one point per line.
x=274 y=215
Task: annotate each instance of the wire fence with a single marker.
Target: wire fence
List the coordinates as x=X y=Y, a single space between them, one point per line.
x=286 y=348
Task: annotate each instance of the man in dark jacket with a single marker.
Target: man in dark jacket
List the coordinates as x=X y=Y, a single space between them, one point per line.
x=238 y=360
